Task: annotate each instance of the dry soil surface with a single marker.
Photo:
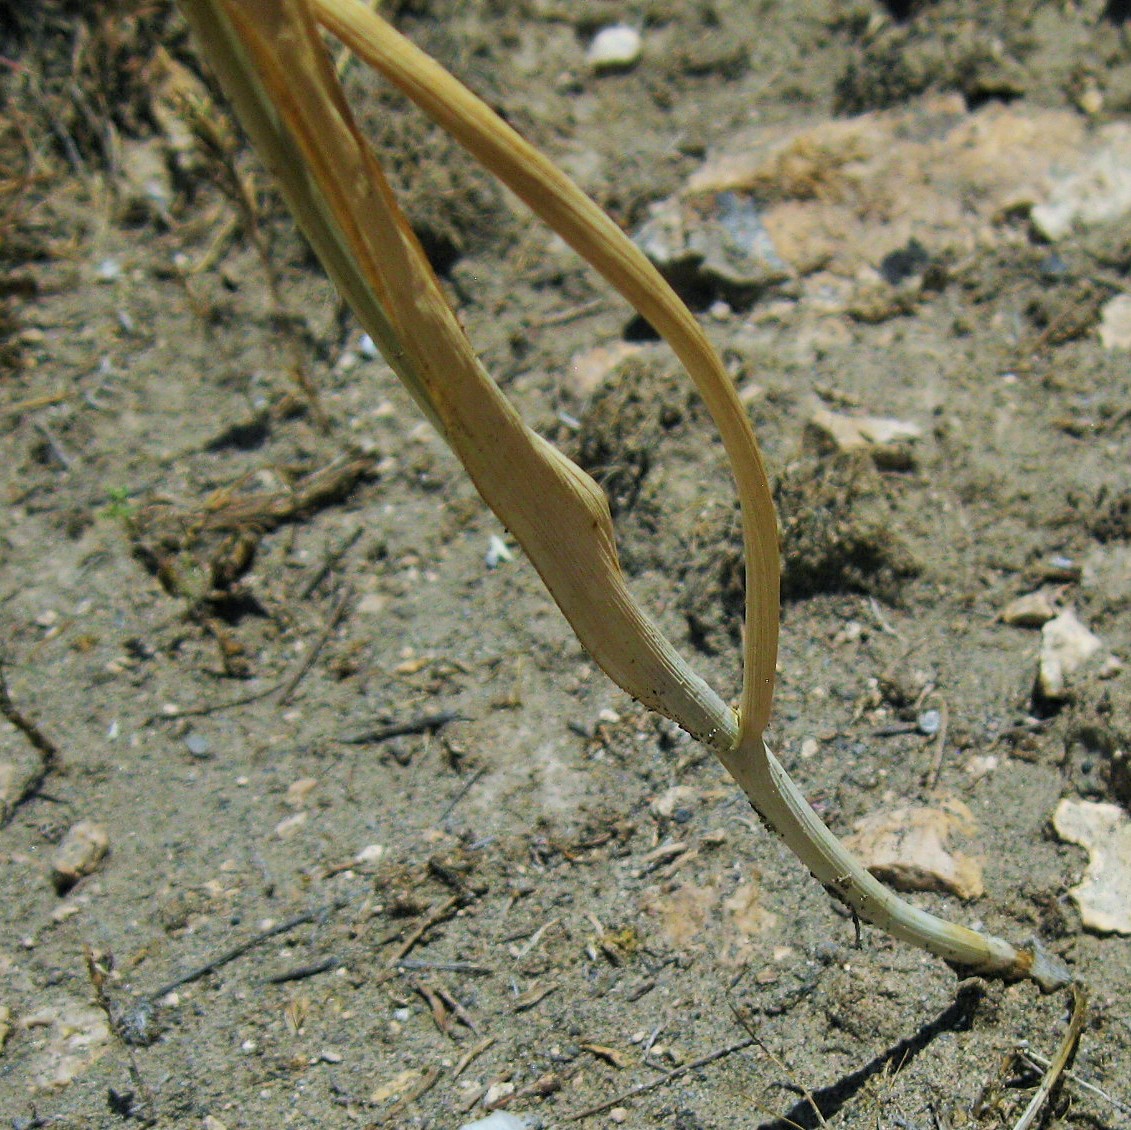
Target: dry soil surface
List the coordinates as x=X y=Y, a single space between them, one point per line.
x=384 y=846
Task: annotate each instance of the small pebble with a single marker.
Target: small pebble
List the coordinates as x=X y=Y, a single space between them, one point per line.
x=108 y=270
x=494 y=1094
x=82 y=850
x=1066 y=645
x=1115 y=323
x=289 y=825
x=497 y=551
x=929 y=722
x=500 y=1120
x=198 y=745
x=368 y=347
x=299 y=790
x=371 y=853
x=7 y=783
x=615 y=48
x=1033 y=610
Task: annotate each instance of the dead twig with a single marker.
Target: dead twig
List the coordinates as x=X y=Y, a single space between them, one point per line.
x=1041 y=1063
x=329 y=561
x=230 y=955
x=777 y=1061
x=50 y=759
x=302 y=972
x=97 y=975
x=467 y=968
x=470 y=1055
x=337 y=615
x=286 y=686
x=667 y=1077
x=434 y=917
x=931 y=779
x=427 y=1081
x=34 y=403
x=1060 y=1061
x=460 y=795
x=424 y=724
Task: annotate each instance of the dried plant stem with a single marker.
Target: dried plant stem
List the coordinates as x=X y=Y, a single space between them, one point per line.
x=272 y=61
x=1060 y=1061
x=554 y=198
x=780 y=803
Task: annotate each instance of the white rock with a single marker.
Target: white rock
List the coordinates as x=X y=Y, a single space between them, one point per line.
x=7 y=785
x=1115 y=323
x=677 y=797
x=289 y=825
x=500 y=1120
x=587 y=370
x=299 y=790
x=1097 y=190
x=615 y=48
x=1033 y=610
x=1066 y=645
x=497 y=1092
x=887 y=440
x=907 y=847
x=497 y=552
x=79 y=1036
x=369 y=854
x=1104 y=894
x=82 y=850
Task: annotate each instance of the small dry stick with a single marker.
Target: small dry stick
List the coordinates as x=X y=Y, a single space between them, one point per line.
x=932 y=777
x=50 y=760
x=337 y=615
x=667 y=1077
x=1041 y=1063
x=97 y=977
x=434 y=917
x=1059 y=1061
x=427 y=1081
x=302 y=972
x=470 y=1055
x=239 y=950
x=779 y=1063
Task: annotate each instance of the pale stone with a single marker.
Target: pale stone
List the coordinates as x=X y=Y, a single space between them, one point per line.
x=677 y=797
x=80 y=1035
x=615 y=48
x=1033 y=610
x=1104 y=894
x=1066 y=645
x=1115 y=323
x=369 y=854
x=1094 y=189
x=289 y=825
x=887 y=440
x=907 y=847
x=82 y=850
x=587 y=371
x=299 y=790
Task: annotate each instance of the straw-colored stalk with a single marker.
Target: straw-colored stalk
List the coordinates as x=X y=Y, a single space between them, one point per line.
x=273 y=65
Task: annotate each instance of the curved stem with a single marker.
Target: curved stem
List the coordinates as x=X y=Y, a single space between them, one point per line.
x=780 y=803
x=552 y=196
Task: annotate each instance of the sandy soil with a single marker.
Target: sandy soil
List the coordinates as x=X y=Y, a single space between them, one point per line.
x=431 y=856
